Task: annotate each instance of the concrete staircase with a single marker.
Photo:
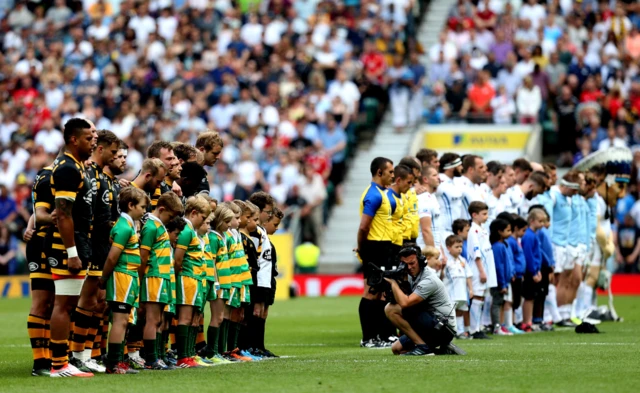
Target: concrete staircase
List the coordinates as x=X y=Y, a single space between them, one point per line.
x=340 y=237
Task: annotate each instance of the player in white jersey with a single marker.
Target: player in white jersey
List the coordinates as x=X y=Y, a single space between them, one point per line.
x=474 y=173
x=518 y=195
x=449 y=197
x=480 y=254
x=493 y=189
x=429 y=213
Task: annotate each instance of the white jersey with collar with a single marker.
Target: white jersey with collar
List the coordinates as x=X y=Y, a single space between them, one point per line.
x=450 y=200
x=515 y=199
x=428 y=206
x=479 y=247
x=470 y=193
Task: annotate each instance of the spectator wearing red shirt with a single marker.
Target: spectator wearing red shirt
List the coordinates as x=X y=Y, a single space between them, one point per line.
x=486 y=17
x=589 y=91
x=374 y=63
x=480 y=95
x=26 y=93
x=614 y=101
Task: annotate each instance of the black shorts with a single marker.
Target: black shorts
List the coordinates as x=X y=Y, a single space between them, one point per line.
x=262 y=295
x=120 y=308
x=531 y=289
x=377 y=253
x=336 y=177
x=39 y=268
x=57 y=257
x=100 y=251
x=516 y=292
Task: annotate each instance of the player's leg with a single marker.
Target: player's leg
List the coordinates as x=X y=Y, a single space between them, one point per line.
x=115 y=350
x=480 y=291
x=83 y=317
x=38 y=325
x=186 y=299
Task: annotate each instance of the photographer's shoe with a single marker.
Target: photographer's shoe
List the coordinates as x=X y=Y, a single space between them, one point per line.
x=450 y=349
x=420 y=350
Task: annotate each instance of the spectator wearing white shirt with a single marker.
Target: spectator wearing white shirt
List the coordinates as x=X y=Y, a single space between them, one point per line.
x=251 y=33
x=167 y=24
x=222 y=113
x=448 y=49
x=274 y=29
x=143 y=24
x=528 y=102
x=346 y=90
x=612 y=140
x=312 y=189
x=20 y=17
x=503 y=107
x=16 y=156
x=99 y=30
x=534 y=12
x=526 y=65
x=249 y=176
x=59 y=14
x=49 y=138
x=29 y=61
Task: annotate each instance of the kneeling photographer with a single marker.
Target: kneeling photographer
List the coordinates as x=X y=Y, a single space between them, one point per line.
x=424 y=313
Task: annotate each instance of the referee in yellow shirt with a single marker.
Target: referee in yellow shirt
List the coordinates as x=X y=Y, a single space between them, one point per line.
x=374 y=245
x=411 y=221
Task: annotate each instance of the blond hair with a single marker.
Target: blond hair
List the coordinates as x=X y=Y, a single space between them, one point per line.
x=250 y=208
x=222 y=215
x=430 y=251
x=152 y=166
x=171 y=202
x=234 y=208
x=199 y=204
x=208 y=140
x=536 y=214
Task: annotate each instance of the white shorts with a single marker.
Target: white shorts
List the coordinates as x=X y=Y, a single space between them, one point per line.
x=560 y=256
x=596 y=255
x=69 y=286
x=509 y=296
x=462 y=306
x=479 y=288
x=457 y=289
x=582 y=254
x=573 y=255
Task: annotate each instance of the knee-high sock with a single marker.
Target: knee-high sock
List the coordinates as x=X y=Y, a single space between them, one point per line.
x=200 y=338
x=82 y=320
x=39 y=343
x=367 y=311
x=476 y=314
x=576 y=306
x=587 y=300
x=460 y=325
x=59 y=356
x=94 y=325
x=387 y=329
x=223 y=336
x=105 y=334
x=518 y=315
x=232 y=340
x=97 y=339
x=47 y=337
x=212 y=341
x=508 y=318
x=182 y=337
x=551 y=304
x=486 y=311
x=261 y=328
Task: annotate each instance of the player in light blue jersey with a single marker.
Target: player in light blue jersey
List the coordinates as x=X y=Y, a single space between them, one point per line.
x=558 y=205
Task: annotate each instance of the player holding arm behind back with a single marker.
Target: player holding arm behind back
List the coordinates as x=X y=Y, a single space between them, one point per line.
x=120 y=274
x=457 y=281
x=483 y=267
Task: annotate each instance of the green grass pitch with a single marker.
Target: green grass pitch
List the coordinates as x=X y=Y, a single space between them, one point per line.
x=320 y=339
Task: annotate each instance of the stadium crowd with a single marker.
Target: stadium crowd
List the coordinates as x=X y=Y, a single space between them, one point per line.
x=517 y=249
x=570 y=66
x=288 y=84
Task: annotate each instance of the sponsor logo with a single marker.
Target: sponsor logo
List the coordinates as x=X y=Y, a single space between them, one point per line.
x=106 y=198
x=33 y=266
x=52 y=262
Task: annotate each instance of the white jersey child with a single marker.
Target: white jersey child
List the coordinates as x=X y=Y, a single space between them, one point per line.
x=428 y=207
x=264 y=259
x=450 y=200
x=456 y=272
x=479 y=247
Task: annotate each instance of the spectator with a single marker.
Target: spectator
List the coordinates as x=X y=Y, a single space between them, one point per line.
x=628 y=245
x=8 y=251
x=612 y=140
x=528 y=102
x=504 y=108
x=314 y=192
x=565 y=108
x=334 y=141
x=480 y=95
x=457 y=101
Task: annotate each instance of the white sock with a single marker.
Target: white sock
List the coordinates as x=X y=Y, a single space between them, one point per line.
x=460 y=325
x=587 y=300
x=576 y=306
x=78 y=355
x=467 y=329
x=552 y=304
x=134 y=354
x=486 y=311
x=86 y=355
x=519 y=317
x=476 y=314
x=508 y=318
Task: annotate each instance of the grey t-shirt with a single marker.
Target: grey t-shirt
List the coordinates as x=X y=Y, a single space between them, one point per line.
x=436 y=299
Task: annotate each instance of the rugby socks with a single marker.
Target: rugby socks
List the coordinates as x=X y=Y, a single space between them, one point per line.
x=212 y=341
x=200 y=339
x=134 y=337
x=222 y=337
x=587 y=300
x=47 y=337
x=80 y=332
x=160 y=345
x=486 y=311
x=182 y=338
x=460 y=325
x=59 y=357
x=367 y=312
x=232 y=340
x=260 y=332
x=105 y=335
x=508 y=318
x=576 y=306
x=115 y=353
x=165 y=343
x=476 y=314
x=192 y=343
x=565 y=311
x=97 y=340
x=150 y=351
x=94 y=325
x=173 y=326
x=36 y=327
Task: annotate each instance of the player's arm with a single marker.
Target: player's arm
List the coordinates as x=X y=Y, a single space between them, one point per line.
x=427 y=233
x=147 y=238
x=181 y=249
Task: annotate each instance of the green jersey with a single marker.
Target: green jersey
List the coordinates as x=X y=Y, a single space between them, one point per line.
x=234 y=263
x=245 y=272
x=155 y=239
x=219 y=252
x=124 y=236
x=193 y=262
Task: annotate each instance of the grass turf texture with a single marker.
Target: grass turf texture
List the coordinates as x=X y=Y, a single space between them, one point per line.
x=320 y=337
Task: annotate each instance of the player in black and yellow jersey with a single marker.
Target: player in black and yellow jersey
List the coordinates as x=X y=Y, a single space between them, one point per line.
x=113 y=169
x=210 y=144
x=42 y=288
x=68 y=247
x=374 y=243
x=164 y=151
x=92 y=305
x=148 y=180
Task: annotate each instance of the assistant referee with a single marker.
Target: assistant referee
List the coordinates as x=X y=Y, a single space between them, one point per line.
x=374 y=242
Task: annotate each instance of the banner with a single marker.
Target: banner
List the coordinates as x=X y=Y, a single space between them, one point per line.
x=12 y=287
x=283 y=244
x=503 y=143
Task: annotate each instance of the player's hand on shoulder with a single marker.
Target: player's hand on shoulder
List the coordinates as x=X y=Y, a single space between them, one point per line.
x=124 y=182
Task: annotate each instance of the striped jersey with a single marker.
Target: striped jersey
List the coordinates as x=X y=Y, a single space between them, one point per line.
x=235 y=264
x=193 y=262
x=245 y=272
x=124 y=236
x=219 y=251
x=209 y=259
x=42 y=197
x=155 y=239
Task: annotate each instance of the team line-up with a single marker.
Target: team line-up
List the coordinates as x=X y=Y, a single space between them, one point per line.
x=121 y=272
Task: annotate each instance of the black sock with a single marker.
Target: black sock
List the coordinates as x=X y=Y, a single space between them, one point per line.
x=368 y=311
x=222 y=336
x=242 y=336
x=165 y=341
x=182 y=338
x=212 y=341
x=386 y=327
x=150 y=355
x=260 y=330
